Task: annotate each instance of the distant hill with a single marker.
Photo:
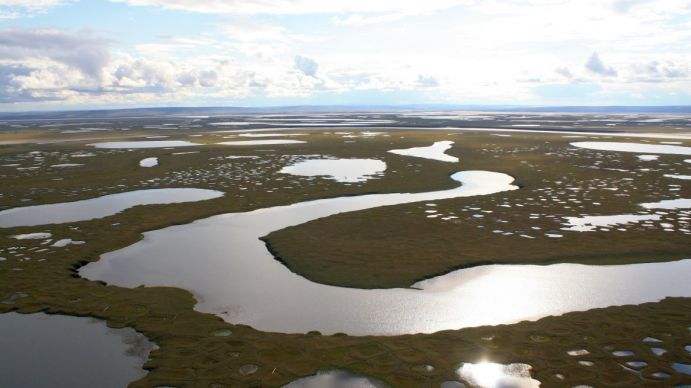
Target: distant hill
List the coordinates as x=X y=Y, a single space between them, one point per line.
x=222 y=111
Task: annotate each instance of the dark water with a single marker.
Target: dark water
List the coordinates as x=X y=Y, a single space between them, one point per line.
x=40 y=350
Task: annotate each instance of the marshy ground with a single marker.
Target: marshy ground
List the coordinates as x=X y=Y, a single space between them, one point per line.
x=384 y=247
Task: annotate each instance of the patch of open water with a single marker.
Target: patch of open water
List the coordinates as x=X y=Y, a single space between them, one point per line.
x=222 y=261
x=148 y=162
x=40 y=350
x=335 y=379
x=340 y=170
x=435 y=152
x=144 y=144
x=98 y=207
x=633 y=147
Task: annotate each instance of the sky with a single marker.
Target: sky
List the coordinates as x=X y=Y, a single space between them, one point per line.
x=70 y=54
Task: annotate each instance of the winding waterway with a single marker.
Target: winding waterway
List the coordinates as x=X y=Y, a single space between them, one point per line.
x=107 y=205
x=222 y=261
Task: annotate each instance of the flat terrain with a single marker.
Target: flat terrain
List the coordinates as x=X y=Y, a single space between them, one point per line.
x=396 y=246
x=378 y=248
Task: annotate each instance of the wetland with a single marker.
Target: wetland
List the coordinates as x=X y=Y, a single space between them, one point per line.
x=357 y=255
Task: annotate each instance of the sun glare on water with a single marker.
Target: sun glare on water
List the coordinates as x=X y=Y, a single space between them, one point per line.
x=492 y=375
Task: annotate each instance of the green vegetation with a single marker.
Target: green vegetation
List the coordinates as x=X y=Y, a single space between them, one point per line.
x=192 y=355
x=395 y=246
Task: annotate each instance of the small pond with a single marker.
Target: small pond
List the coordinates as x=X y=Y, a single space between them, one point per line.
x=40 y=350
x=261 y=142
x=336 y=379
x=634 y=147
x=148 y=162
x=340 y=170
x=57 y=213
x=144 y=144
x=435 y=152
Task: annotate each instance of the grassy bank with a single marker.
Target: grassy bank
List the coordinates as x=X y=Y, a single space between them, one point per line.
x=190 y=353
x=395 y=246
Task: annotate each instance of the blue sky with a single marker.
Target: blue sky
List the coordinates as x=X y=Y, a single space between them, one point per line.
x=68 y=54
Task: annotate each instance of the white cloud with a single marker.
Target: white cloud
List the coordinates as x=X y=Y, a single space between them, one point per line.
x=293 y=7
x=596 y=66
x=656 y=71
x=307 y=66
x=626 y=5
x=12 y=9
x=476 y=51
x=34 y=4
x=245 y=30
x=81 y=50
x=564 y=72
x=39 y=66
x=359 y=19
x=427 y=81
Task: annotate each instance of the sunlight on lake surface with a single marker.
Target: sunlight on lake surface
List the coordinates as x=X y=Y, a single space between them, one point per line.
x=235 y=277
x=340 y=170
x=144 y=144
x=336 y=379
x=492 y=375
x=435 y=152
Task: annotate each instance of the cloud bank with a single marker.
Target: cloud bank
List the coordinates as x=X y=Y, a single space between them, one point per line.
x=264 y=52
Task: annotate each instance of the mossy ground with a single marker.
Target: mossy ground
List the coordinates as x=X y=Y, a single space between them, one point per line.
x=395 y=246
x=190 y=355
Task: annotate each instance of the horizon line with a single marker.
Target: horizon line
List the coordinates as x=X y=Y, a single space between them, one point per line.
x=445 y=106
